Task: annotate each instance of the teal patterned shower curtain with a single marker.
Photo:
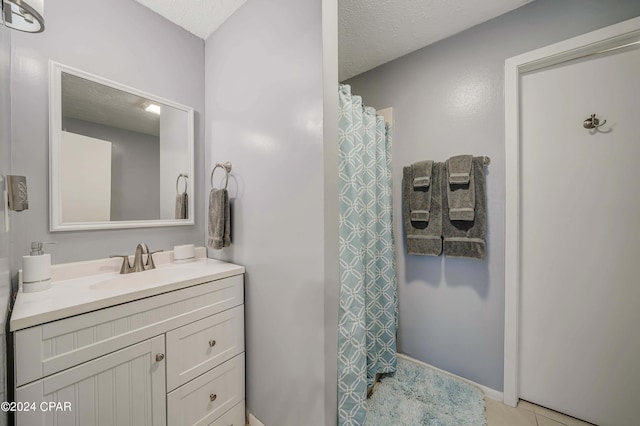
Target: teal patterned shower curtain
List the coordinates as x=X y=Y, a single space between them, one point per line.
x=368 y=287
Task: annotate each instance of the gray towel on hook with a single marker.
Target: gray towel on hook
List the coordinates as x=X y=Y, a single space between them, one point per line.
x=219 y=219
x=459 y=169
x=182 y=203
x=467 y=239
x=423 y=238
x=421 y=193
x=461 y=197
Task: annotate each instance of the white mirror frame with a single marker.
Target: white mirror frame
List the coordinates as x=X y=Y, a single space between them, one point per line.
x=55 y=123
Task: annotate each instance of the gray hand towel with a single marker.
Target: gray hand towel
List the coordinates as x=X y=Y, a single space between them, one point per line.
x=422 y=173
x=219 y=219
x=420 y=199
x=461 y=198
x=459 y=169
x=423 y=238
x=182 y=203
x=467 y=239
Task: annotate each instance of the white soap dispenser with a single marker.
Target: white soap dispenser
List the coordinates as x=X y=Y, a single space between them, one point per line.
x=36 y=269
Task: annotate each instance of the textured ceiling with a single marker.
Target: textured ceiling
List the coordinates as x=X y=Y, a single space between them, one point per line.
x=96 y=103
x=373 y=32
x=200 y=17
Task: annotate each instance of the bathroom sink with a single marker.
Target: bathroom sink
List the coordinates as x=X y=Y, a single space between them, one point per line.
x=140 y=279
x=81 y=287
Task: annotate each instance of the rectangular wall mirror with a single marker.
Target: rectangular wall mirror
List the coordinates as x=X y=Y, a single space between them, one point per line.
x=118 y=157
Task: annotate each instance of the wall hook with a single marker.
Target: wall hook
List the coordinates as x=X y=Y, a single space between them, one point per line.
x=592 y=122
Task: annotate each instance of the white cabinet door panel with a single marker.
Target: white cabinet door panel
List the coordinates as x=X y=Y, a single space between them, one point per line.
x=124 y=388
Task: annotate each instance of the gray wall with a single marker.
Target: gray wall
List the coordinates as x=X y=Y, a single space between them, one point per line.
x=447 y=100
x=122 y=41
x=264 y=96
x=135 y=169
x=5 y=169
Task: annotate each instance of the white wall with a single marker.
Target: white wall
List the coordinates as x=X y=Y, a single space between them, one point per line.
x=331 y=210
x=5 y=169
x=173 y=158
x=122 y=41
x=447 y=99
x=264 y=97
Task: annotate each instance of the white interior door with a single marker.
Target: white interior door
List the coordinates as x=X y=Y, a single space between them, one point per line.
x=85 y=178
x=580 y=238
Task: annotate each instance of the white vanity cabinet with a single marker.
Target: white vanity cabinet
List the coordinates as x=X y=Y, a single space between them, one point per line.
x=176 y=358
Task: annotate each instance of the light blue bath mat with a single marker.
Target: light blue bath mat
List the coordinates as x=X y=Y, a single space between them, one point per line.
x=420 y=396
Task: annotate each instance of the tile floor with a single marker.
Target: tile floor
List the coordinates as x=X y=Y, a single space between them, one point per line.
x=526 y=414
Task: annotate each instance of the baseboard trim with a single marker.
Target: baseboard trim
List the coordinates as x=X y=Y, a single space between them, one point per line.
x=488 y=392
x=253 y=421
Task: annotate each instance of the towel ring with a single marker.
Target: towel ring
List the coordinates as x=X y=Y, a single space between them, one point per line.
x=227 y=168
x=186 y=182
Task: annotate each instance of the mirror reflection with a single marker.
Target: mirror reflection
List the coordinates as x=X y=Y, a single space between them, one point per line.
x=123 y=159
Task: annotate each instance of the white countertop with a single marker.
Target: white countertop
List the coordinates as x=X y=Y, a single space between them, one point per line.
x=78 y=295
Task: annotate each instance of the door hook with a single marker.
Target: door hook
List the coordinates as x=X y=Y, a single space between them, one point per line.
x=592 y=122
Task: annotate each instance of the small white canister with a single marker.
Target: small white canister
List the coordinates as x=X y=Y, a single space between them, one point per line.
x=36 y=273
x=36 y=269
x=183 y=254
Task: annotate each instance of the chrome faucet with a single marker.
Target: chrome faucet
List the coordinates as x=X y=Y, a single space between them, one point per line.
x=139 y=263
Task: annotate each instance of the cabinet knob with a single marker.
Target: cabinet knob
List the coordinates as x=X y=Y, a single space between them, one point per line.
x=159 y=357
x=213 y=397
x=212 y=343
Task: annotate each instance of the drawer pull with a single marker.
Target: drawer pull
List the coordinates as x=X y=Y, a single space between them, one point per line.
x=159 y=357
x=213 y=397
x=212 y=343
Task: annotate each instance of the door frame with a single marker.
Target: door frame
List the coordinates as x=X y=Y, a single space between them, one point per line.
x=588 y=44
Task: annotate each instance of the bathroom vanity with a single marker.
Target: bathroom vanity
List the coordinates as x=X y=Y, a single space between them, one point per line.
x=159 y=347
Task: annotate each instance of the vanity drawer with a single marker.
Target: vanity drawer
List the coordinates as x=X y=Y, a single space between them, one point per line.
x=198 y=347
x=205 y=398
x=234 y=417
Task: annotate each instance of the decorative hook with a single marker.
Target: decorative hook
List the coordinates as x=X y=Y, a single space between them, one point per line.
x=593 y=122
